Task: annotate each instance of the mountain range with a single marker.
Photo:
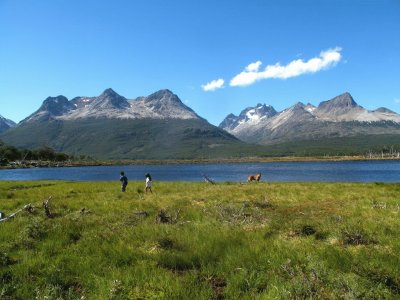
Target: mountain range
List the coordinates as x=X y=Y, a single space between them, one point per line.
x=160 y=126
x=111 y=126
x=160 y=105
x=337 y=117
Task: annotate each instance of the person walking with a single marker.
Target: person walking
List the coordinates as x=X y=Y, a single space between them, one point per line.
x=124 y=181
x=148 y=183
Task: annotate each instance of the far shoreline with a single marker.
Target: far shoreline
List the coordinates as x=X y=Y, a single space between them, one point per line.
x=126 y=162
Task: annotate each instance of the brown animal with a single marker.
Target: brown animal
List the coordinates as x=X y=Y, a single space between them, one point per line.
x=254 y=177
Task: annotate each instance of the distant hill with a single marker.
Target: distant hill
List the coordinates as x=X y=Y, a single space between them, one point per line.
x=110 y=126
x=335 y=118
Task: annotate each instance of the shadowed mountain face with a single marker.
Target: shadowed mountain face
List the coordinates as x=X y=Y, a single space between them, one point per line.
x=51 y=108
x=337 y=117
x=111 y=126
x=5 y=124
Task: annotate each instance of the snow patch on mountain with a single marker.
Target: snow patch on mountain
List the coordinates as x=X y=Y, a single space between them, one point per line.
x=251 y=116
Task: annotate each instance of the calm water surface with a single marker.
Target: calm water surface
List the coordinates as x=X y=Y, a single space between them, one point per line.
x=345 y=171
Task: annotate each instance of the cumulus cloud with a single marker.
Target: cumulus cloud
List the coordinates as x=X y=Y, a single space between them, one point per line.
x=251 y=73
x=213 y=85
x=253 y=67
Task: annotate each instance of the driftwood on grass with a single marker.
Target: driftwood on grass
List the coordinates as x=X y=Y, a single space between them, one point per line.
x=164 y=217
x=28 y=207
x=208 y=179
x=47 y=207
x=85 y=211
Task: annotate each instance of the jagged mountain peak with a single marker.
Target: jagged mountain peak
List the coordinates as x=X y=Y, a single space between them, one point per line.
x=163 y=95
x=340 y=108
x=163 y=92
x=248 y=115
x=344 y=100
x=109 y=92
x=260 y=110
x=57 y=99
x=262 y=106
x=230 y=122
x=56 y=106
x=109 y=99
x=6 y=124
x=265 y=110
x=163 y=104
x=51 y=107
x=310 y=108
x=299 y=105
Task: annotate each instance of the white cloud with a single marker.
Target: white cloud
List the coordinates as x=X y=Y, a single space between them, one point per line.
x=251 y=74
x=253 y=67
x=213 y=85
x=397 y=100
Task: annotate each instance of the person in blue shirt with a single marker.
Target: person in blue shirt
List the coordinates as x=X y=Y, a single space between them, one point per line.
x=124 y=181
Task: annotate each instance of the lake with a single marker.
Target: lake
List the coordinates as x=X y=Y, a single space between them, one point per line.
x=342 y=171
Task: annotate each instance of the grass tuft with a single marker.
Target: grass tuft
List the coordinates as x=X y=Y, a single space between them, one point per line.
x=356 y=236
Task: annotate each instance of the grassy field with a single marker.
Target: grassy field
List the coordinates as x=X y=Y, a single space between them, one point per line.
x=200 y=241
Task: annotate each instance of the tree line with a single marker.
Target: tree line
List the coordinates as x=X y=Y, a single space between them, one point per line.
x=10 y=153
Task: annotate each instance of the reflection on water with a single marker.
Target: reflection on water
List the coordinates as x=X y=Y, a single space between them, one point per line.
x=346 y=171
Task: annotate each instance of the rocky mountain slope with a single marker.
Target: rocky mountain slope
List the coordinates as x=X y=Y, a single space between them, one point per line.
x=5 y=124
x=338 y=117
x=111 y=126
x=160 y=105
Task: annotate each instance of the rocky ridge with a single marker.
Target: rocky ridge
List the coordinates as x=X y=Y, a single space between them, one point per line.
x=340 y=116
x=159 y=105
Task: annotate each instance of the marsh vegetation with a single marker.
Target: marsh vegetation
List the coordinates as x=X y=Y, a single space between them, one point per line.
x=200 y=241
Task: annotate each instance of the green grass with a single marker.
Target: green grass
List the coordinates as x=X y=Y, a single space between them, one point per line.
x=224 y=241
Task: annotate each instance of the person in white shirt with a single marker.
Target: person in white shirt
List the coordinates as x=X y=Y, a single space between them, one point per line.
x=148 y=183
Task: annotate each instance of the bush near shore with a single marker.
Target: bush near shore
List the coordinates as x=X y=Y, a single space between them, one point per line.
x=200 y=241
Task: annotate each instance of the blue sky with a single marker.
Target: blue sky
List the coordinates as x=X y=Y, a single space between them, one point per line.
x=286 y=51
